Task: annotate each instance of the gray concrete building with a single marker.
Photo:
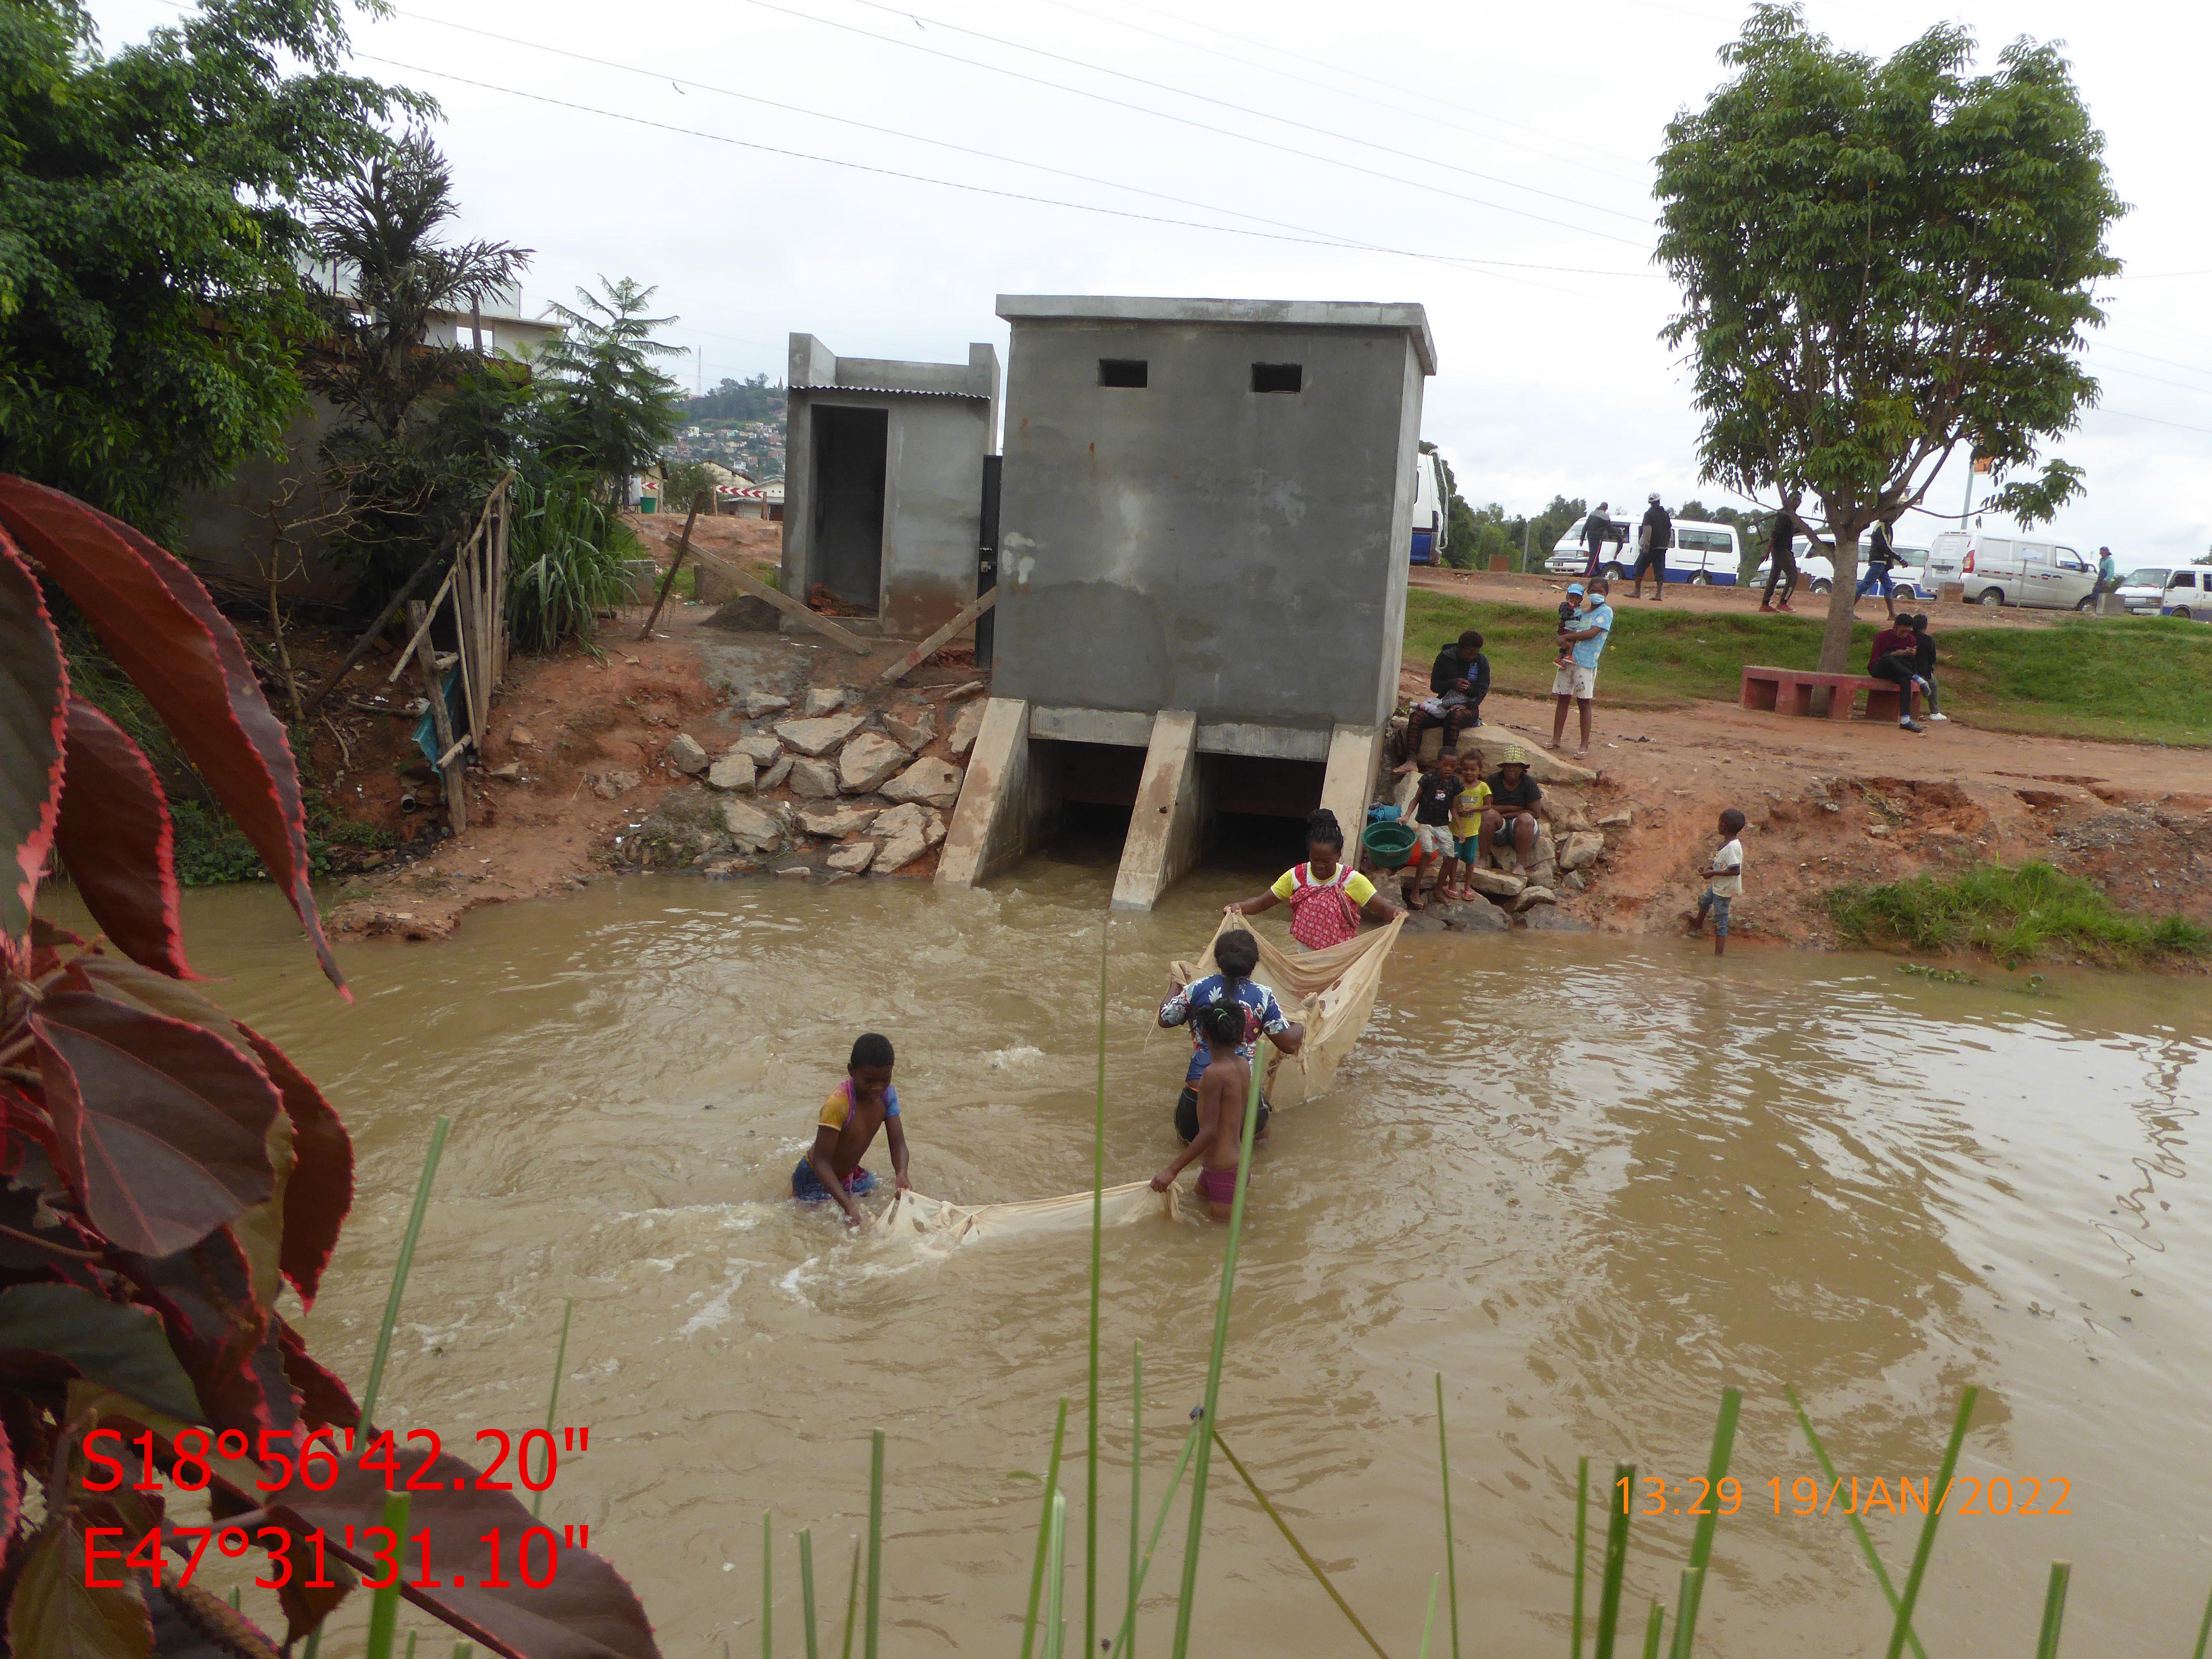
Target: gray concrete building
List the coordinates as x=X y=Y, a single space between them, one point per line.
x=883 y=480
x=1204 y=536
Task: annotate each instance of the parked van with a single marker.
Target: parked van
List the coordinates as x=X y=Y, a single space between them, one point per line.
x=2143 y=591
x=1700 y=553
x=1428 y=511
x=2189 y=593
x=2012 y=570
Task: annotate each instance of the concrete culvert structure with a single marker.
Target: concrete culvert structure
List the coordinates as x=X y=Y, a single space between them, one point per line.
x=1203 y=519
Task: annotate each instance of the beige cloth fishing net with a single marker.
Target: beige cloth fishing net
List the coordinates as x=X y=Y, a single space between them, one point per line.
x=1331 y=993
x=912 y=1215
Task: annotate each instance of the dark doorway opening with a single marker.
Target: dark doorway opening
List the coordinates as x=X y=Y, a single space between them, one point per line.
x=1260 y=813
x=850 y=450
x=1097 y=784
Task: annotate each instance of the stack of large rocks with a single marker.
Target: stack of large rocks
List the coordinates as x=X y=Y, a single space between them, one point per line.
x=830 y=785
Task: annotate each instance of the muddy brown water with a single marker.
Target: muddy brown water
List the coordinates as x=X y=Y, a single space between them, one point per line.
x=1591 y=1180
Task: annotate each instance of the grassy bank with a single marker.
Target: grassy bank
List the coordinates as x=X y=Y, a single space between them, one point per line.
x=2145 y=678
x=2017 y=913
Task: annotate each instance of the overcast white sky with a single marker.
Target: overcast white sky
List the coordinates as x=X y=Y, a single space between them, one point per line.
x=1535 y=125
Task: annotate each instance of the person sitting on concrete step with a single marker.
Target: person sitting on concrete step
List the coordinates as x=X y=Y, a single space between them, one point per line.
x=1236 y=954
x=1923 y=663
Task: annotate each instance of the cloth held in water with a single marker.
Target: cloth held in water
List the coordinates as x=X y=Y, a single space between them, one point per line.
x=914 y=1216
x=1331 y=993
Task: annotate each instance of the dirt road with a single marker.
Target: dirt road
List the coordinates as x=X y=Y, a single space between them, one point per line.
x=1542 y=593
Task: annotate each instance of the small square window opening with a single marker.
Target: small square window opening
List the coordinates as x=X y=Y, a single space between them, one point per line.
x=1133 y=372
x=1278 y=377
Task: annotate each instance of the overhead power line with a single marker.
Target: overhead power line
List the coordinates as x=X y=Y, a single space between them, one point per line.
x=1185 y=120
x=1478 y=267
x=1244 y=109
x=1334 y=238
x=1399 y=90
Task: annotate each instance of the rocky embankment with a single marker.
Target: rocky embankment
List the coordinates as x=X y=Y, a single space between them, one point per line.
x=826 y=782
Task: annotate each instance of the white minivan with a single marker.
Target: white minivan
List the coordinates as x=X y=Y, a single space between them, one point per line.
x=1700 y=554
x=2012 y=570
x=2188 y=593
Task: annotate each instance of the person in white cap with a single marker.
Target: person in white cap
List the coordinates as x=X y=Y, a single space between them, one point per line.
x=1579 y=681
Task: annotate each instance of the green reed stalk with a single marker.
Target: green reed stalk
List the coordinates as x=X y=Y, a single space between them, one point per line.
x=1428 y=1619
x=2204 y=1630
x=1927 y=1545
x=1616 y=1561
x=1692 y=1592
x=1582 y=1544
x=410 y=1634
x=1127 y=1639
x=553 y=1398
x=875 y=1545
x=383 y=1604
x=1097 y=1231
x=463 y=1650
x=1451 y=1565
x=1187 y=1599
x=853 y=1600
x=399 y=1270
x=1044 y=1533
x=1654 y=1627
x=1857 y=1526
x=1304 y=1554
x=1056 y=1570
x=768 y=1585
x=806 y=1591
x=1136 y=1483
x=1701 y=1542
x=2054 y=1611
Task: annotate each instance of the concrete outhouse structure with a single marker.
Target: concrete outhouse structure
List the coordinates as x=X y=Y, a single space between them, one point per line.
x=1204 y=524
x=883 y=480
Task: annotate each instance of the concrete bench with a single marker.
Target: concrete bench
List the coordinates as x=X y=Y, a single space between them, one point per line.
x=1790 y=691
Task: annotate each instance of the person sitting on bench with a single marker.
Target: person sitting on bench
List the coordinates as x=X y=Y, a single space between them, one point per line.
x=1896 y=648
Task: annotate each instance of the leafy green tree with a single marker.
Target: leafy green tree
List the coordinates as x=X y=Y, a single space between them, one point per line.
x=1553 y=522
x=607 y=408
x=409 y=459
x=151 y=305
x=752 y=399
x=1881 y=262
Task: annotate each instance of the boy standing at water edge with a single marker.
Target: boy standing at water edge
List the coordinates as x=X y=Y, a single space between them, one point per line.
x=1222 y=1089
x=1725 y=872
x=864 y=1103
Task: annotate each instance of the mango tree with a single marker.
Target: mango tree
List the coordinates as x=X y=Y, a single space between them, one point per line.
x=1881 y=262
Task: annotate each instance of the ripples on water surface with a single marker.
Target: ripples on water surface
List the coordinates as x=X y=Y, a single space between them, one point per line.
x=1591 y=1180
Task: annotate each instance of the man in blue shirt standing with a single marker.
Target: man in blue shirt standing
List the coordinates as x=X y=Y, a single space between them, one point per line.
x=1586 y=637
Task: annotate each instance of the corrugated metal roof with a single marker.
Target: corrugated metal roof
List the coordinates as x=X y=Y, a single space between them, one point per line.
x=895 y=391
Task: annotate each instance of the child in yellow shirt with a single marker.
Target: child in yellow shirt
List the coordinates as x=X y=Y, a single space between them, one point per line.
x=1467 y=830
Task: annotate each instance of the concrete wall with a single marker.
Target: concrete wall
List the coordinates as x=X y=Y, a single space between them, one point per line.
x=227 y=532
x=942 y=422
x=1198 y=545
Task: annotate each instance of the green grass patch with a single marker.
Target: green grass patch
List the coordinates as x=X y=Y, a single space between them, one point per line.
x=2015 y=913
x=2140 y=678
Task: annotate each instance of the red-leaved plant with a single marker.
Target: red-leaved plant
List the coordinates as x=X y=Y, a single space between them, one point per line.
x=164 y=1170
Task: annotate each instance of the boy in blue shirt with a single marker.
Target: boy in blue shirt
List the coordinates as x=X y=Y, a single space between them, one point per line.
x=1237 y=953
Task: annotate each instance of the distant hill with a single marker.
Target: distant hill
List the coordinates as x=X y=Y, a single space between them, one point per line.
x=736 y=400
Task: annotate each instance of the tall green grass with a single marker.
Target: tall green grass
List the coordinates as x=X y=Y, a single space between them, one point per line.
x=565 y=558
x=2015 y=913
x=2147 y=678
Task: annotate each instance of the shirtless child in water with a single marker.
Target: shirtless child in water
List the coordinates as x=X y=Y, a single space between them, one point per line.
x=1223 y=1091
x=863 y=1103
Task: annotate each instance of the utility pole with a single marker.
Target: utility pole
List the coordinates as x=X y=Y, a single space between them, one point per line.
x=1967 y=505
x=1527 y=525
